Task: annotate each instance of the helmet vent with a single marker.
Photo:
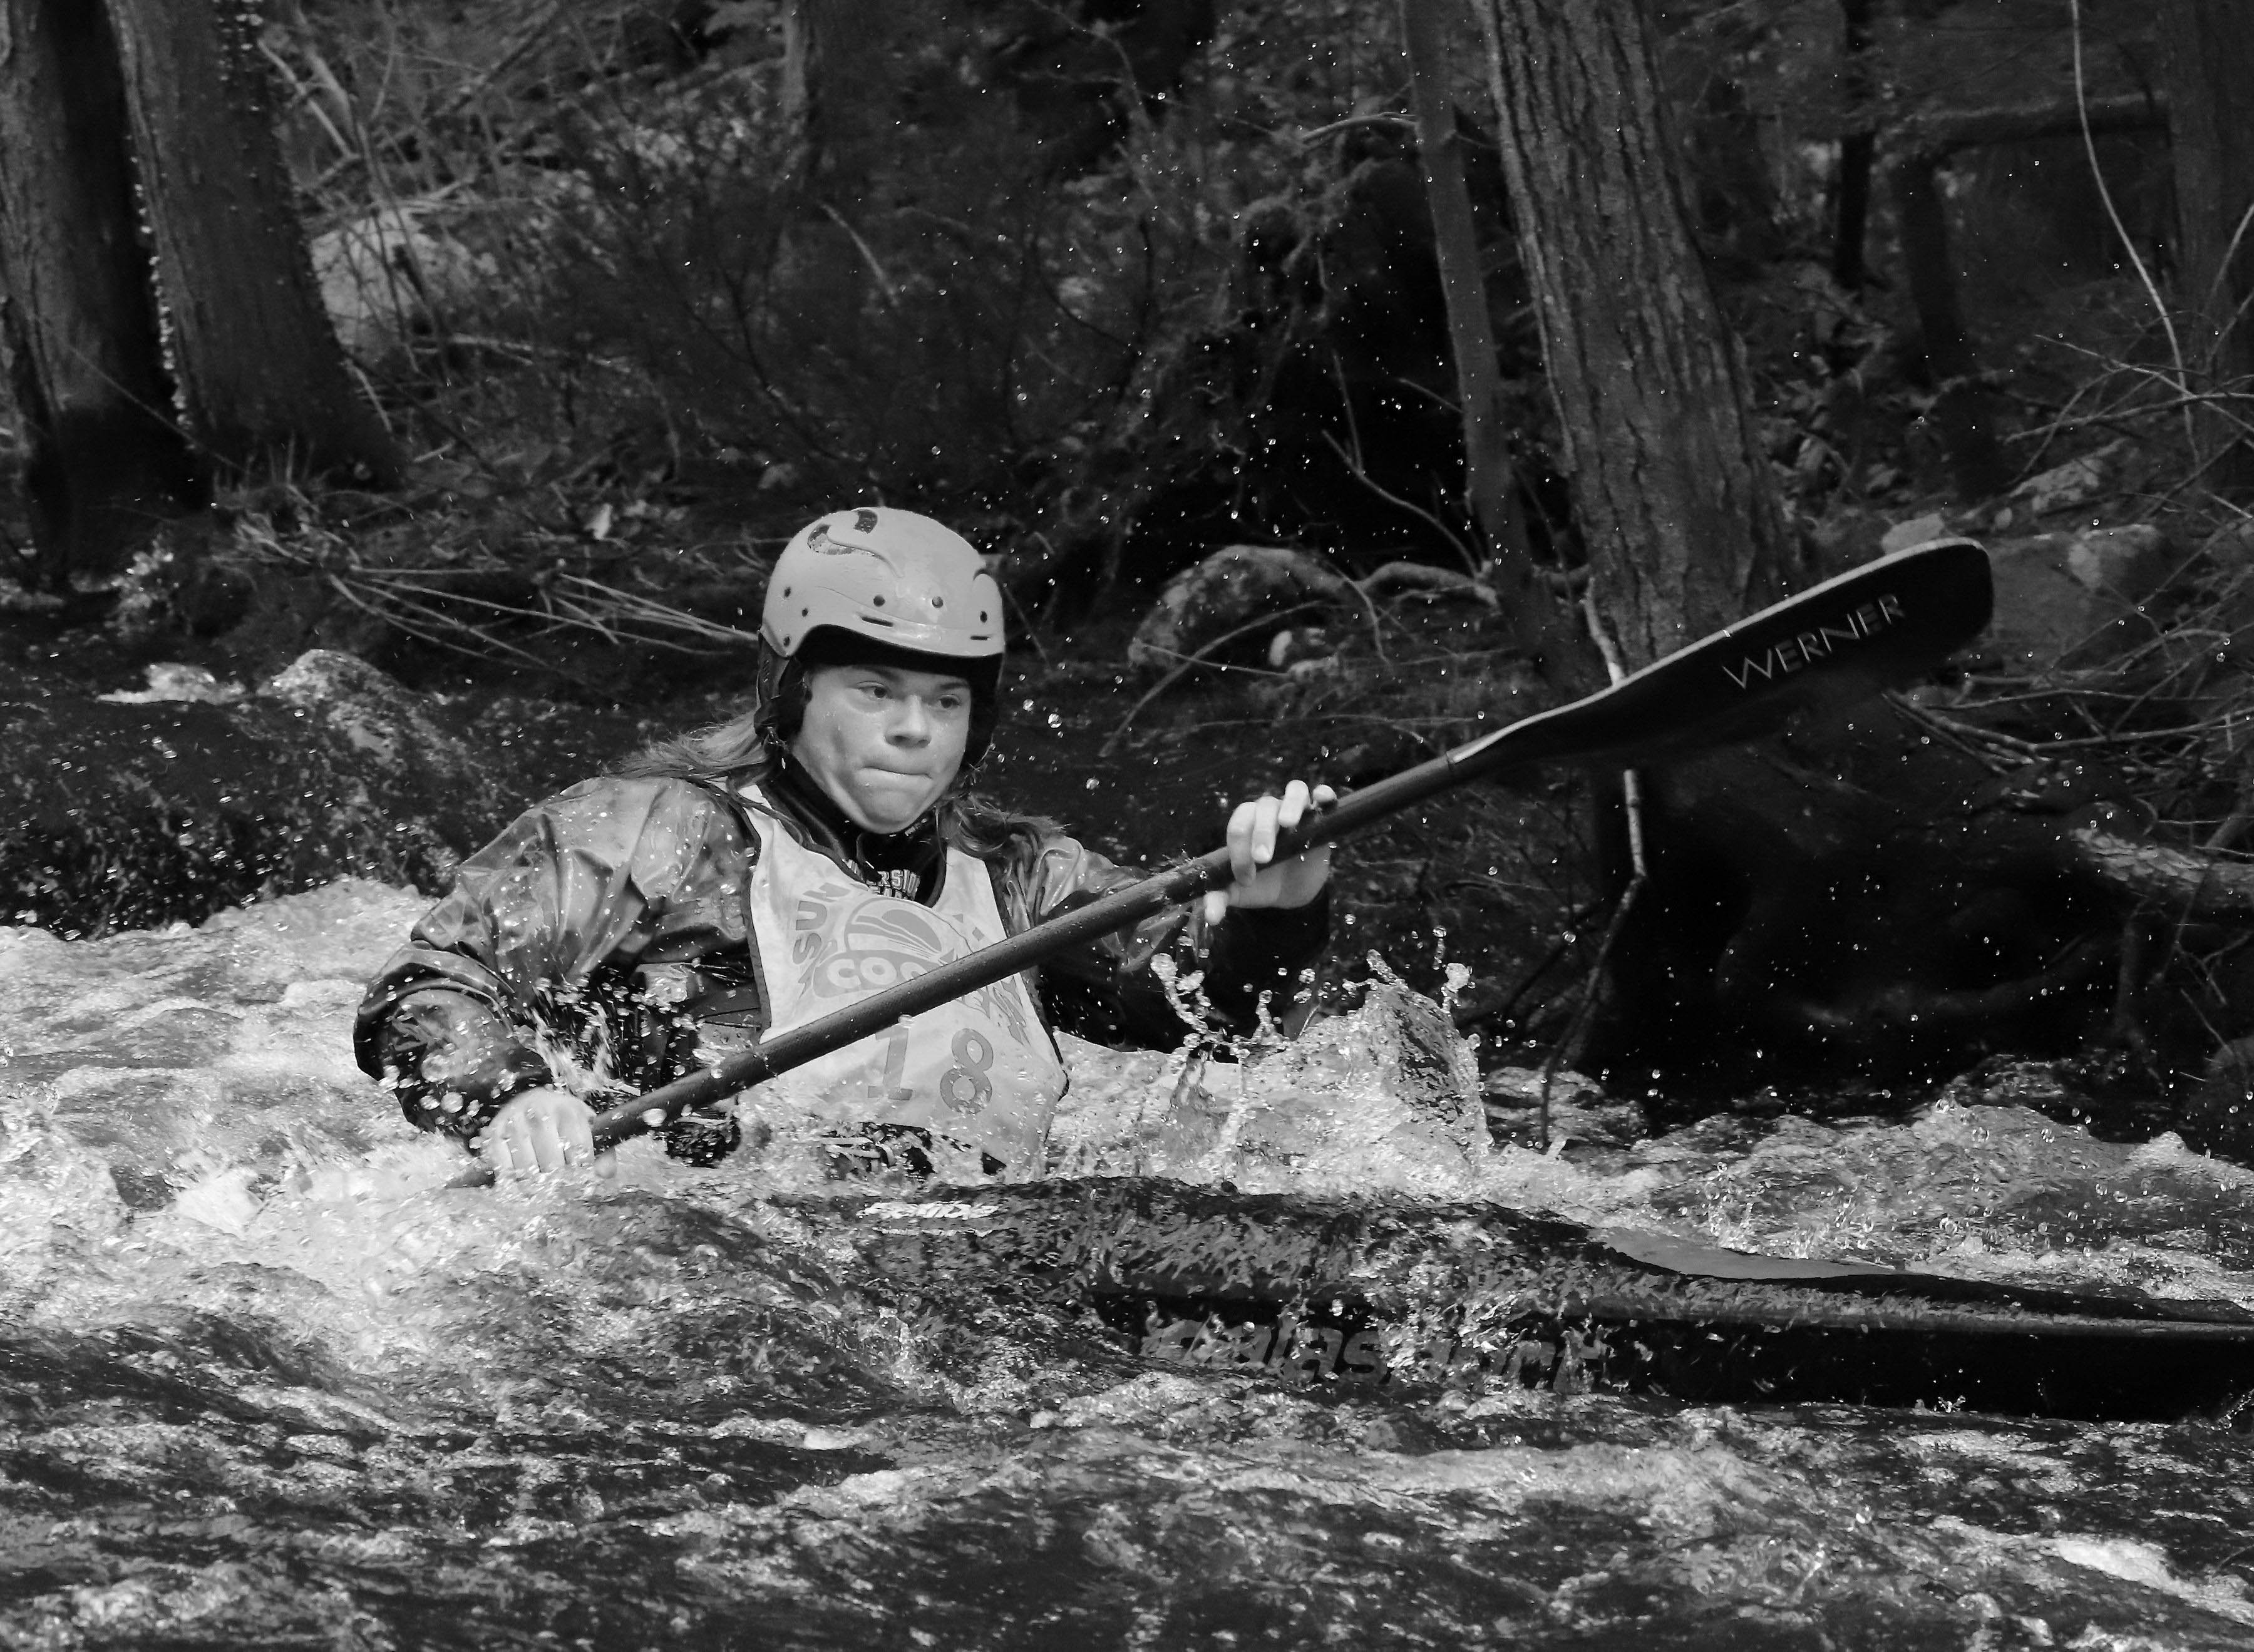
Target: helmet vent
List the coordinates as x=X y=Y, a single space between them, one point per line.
x=938 y=601
x=880 y=601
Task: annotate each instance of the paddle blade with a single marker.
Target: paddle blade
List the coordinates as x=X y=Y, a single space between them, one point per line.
x=1888 y=621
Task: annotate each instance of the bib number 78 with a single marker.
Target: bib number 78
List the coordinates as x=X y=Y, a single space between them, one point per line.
x=966 y=1087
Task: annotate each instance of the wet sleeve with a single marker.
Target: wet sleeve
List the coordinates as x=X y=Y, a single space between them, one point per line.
x=447 y=1022
x=1108 y=989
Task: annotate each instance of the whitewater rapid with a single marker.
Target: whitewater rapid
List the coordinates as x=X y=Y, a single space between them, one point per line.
x=269 y=1382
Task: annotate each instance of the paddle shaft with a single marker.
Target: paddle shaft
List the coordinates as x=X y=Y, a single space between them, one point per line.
x=1895 y=617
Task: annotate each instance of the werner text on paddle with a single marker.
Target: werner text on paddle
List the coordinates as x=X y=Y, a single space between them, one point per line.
x=1803 y=649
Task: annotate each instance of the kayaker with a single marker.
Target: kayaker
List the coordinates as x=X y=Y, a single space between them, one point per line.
x=768 y=869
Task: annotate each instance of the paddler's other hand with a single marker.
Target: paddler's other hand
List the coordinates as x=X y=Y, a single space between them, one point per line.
x=1252 y=832
x=542 y=1130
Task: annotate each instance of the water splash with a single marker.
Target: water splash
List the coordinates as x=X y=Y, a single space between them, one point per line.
x=268 y=1385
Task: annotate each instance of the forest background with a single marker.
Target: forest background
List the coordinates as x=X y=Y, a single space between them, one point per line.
x=502 y=347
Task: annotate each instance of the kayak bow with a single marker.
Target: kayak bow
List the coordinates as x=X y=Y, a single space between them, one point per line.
x=1405 y=1297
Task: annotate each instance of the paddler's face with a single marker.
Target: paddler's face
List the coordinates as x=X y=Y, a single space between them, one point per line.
x=885 y=742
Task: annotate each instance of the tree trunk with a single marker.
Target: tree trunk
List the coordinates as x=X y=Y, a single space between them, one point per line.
x=836 y=91
x=259 y=366
x=800 y=92
x=1965 y=411
x=2206 y=64
x=104 y=462
x=1964 y=408
x=1733 y=198
x=1850 y=199
x=1489 y=488
x=1685 y=525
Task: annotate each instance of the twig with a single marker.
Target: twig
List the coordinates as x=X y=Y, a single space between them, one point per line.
x=1190 y=661
x=868 y=256
x=2136 y=258
x=530 y=35
x=1025 y=621
x=523 y=350
x=1550 y=961
x=1569 y=1048
x=389 y=614
x=651 y=611
x=2031 y=749
x=1354 y=467
x=303 y=96
x=2109 y=420
x=1248 y=670
x=1400 y=122
x=1361 y=473
x=2221 y=402
x=1962 y=734
x=1370 y=606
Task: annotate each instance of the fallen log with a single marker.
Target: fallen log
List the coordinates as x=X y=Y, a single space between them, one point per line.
x=1938 y=134
x=2188 y=885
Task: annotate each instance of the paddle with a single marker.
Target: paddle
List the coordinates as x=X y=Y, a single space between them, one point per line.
x=1890 y=619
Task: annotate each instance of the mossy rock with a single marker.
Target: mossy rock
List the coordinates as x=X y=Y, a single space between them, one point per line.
x=124 y=814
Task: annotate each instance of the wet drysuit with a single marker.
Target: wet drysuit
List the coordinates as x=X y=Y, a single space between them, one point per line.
x=626 y=928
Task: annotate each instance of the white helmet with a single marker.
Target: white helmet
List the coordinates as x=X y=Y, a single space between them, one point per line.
x=891 y=584
x=891 y=575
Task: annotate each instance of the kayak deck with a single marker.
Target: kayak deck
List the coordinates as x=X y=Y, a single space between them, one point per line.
x=1481 y=1298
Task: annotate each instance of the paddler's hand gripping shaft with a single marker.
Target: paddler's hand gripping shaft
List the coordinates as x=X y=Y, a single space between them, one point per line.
x=1893 y=619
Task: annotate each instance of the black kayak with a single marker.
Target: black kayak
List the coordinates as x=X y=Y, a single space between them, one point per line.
x=1413 y=1295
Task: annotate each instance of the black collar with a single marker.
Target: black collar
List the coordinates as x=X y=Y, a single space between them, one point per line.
x=908 y=863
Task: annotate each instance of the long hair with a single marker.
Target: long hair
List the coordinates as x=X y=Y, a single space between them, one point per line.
x=743 y=751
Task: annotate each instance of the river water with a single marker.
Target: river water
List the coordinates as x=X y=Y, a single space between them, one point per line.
x=269 y=1383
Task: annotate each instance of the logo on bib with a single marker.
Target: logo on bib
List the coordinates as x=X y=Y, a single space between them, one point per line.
x=882 y=941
